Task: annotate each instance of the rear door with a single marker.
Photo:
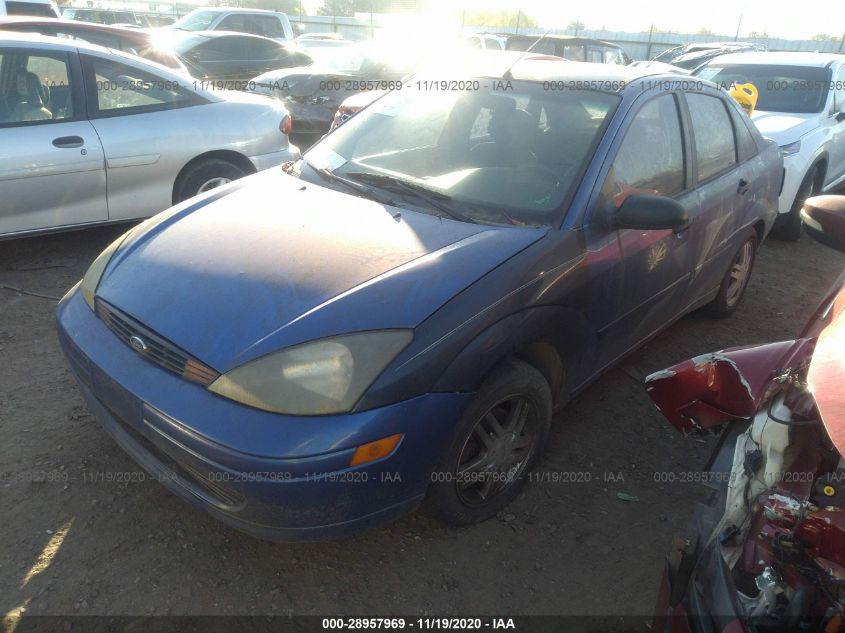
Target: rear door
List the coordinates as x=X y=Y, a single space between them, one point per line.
x=725 y=187
x=146 y=134
x=51 y=160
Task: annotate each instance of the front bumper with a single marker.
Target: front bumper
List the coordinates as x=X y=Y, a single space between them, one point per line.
x=795 y=168
x=272 y=476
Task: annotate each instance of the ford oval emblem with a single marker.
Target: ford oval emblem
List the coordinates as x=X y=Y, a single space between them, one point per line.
x=138 y=343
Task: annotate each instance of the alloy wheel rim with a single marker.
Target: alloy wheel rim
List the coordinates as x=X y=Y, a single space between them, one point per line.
x=739 y=274
x=497 y=450
x=213 y=183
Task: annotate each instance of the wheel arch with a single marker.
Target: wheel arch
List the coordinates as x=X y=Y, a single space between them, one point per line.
x=236 y=158
x=552 y=339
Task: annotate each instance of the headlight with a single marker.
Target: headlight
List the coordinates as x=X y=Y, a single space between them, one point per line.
x=95 y=271
x=790 y=149
x=92 y=276
x=316 y=378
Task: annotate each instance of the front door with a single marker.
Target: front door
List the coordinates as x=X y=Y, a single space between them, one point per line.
x=52 y=172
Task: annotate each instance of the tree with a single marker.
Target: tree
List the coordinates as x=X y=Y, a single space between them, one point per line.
x=822 y=37
x=575 y=26
x=496 y=19
x=704 y=31
x=758 y=35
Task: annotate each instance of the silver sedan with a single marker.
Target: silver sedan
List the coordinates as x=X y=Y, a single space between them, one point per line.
x=90 y=136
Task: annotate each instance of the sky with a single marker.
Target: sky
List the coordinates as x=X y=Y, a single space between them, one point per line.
x=777 y=18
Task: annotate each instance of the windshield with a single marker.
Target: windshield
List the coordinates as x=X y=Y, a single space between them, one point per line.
x=510 y=153
x=789 y=89
x=195 y=21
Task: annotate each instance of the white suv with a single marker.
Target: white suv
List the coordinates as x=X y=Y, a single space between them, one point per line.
x=801 y=106
x=270 y=24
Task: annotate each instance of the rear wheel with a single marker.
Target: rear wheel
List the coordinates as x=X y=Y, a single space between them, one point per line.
x=205 y=175
x=494 y=446
x=736 y=279
x=789 y=226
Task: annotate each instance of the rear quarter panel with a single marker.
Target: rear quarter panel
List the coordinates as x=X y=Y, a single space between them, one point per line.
x=145 y=153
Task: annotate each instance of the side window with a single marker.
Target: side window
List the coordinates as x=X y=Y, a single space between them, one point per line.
x=233 y=22
x=491 y=43
x=120 y=87
x=36 y=88
x=265 y=25
x=715 y=149
x=595 y=55
x=613 y=56
x=651 y=157
x=473 y=42
x=746 y=146
x=575 y=52
x=223 y=49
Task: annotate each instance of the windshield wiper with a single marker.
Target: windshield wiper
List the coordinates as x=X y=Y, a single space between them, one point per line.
x=369 y=192
x=440 y=201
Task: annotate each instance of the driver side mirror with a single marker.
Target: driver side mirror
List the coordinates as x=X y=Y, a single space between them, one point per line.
x=639 y=211
x=824 y=219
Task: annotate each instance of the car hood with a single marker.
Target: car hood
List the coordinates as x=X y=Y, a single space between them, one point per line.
x=273 y=261
x=784 y=128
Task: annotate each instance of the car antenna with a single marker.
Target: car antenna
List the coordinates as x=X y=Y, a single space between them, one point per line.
x=507 y=74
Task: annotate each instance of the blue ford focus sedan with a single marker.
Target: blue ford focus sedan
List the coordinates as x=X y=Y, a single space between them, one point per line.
x=312 y=351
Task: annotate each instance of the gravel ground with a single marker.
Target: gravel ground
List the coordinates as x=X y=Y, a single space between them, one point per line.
x=69 y=546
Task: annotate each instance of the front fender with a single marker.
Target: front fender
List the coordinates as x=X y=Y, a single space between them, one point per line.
x=553 y=337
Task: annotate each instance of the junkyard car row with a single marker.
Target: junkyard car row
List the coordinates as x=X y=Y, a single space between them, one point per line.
x=419 y=290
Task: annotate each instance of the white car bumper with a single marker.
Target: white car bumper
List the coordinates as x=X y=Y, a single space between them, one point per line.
x=274 y=159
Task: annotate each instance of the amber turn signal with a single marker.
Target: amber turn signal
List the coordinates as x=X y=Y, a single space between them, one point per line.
x=367 y=453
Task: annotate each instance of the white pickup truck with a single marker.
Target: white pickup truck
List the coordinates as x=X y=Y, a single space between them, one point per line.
x=801 y=106
x=272 y=24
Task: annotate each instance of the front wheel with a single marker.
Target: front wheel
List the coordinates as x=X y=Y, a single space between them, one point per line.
x=736 y=279
x=494 y=446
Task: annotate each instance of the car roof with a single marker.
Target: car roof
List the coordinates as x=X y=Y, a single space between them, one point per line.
x=48 y=42
x=818 y=60
x=563 y=38
x=566 y=70
x=234 y=10
x=76 y=24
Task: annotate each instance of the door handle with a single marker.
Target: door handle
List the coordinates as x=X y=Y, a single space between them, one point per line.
x=742 y=188
x=68 y=142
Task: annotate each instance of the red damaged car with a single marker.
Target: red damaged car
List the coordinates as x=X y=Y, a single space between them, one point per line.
x=768 y=553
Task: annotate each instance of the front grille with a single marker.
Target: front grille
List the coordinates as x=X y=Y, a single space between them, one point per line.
x=155 y=348
x=208 y=481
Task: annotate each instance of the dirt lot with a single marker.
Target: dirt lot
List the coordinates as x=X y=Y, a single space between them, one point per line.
x=75 y=547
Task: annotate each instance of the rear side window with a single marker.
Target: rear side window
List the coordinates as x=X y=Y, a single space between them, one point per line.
x=124 y=89
x=651 y=157
x=595 y=55
x=715 y=148
x=746 y=146
x=30 y=8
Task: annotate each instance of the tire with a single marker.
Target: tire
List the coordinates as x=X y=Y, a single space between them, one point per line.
x=730 y=295
x=789 y=226
x=476 y=477
x=204 y=176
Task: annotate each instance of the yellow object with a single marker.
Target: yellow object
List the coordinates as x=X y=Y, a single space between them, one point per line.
x=375 y=450
x=746 y=96
x=829 y=491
